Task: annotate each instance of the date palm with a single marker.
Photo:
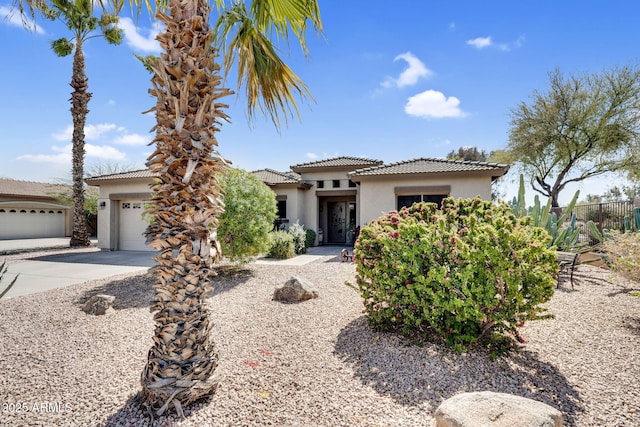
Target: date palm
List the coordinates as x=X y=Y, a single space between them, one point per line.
x=80 y=18
x=187 y=200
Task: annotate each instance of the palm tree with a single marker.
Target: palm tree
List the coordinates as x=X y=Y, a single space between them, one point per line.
x=187 y=199
x=78 y=16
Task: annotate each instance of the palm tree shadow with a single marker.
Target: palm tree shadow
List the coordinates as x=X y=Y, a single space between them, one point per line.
x=132 y=409
x=227 y=277
x=127 y=295
x=412 y=375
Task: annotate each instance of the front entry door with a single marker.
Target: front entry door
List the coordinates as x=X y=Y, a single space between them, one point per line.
x=337 y=222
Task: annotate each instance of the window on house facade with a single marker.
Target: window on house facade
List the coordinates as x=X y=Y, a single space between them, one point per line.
x=408 y=200
x=320 y=184
x=352 y=184
x=408 y=195
x=336 y=183
x=282 y=209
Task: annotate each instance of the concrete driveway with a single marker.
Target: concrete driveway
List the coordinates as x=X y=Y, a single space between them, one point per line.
x=46 y=272
x=43 y=273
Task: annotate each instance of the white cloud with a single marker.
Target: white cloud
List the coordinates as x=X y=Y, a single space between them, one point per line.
x=136 y=40
x=63 y=154
x=433 y=104
x=13 y=18
x=311 y=156
x=132 y=139
x=105 y=152
x=484 y=42
x=410 y=76
x=480 y=42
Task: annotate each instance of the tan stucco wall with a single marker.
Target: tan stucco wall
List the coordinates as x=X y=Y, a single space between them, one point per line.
x=295 y=203
x=378 y=197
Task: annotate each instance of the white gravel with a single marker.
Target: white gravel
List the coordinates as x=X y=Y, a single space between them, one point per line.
x=315 y=363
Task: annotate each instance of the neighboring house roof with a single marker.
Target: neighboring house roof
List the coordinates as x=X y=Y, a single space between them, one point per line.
x=345 y=163
x=137 y=174
x=431 y=165
x=12 y=188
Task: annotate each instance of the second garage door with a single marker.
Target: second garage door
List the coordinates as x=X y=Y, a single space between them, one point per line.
x=132 y=226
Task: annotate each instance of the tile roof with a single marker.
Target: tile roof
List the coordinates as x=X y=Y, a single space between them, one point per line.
x=13 y=187
x=272 y=177
x=338 y=162
x=141 y=173
x=430 y=165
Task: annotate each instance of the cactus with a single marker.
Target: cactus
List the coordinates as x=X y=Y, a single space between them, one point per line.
x=564 y=238
x=3 y=270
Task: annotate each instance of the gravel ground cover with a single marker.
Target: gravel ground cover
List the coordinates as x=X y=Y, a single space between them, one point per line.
x=315 y=363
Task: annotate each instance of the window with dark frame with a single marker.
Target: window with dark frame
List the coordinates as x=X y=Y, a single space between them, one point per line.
x=320 y=184
x=282 y=209
x=408 y=200
x=352 y=184
x=336 y=183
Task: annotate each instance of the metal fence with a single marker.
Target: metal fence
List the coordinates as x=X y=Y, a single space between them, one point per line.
x=606 y=216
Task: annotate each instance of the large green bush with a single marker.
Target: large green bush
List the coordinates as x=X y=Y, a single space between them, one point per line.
x=249 y=211
x=470 y=272
x=282 y=246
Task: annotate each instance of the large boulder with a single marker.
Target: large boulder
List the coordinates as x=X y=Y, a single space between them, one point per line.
x=490 y=409
x=99 y=305
x=295 y=289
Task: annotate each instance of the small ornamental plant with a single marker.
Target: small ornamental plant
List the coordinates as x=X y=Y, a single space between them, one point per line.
x=469 y=273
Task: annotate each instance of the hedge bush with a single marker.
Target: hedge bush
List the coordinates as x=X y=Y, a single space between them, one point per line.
x=282 y=246
x=310 y=238
x=469 y=273
x=249 y=211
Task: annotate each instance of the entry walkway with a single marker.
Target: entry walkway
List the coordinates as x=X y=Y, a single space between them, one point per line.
x=313 y=254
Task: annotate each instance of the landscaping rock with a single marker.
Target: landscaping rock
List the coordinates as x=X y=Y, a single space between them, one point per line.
x=99 y=305
x=295 y=289
x=491 y=409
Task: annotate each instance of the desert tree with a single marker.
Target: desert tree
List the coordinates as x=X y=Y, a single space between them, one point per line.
x=581 y=127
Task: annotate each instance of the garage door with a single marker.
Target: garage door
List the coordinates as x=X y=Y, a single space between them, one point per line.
x=132 y=226
x=31 y=223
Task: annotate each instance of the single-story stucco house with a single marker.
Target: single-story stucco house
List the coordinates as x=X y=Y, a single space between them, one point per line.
x=331 y=196
x=30 y=210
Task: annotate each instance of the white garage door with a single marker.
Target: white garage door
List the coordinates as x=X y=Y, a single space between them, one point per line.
x=31 y=223
x=132 y=226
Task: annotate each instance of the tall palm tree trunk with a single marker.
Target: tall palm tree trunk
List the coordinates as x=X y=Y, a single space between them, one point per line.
x=186 y=202
x=79 y=109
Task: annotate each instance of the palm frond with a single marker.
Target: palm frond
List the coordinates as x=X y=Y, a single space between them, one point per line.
x=269 y=83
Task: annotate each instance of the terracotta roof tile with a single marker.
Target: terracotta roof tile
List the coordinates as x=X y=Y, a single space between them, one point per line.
x=430 y=165
x=338 y=162
x=13 y=187
x=271 y=177
x=141 y=173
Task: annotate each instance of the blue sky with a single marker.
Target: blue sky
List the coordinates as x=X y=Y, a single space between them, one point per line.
x=391 y=81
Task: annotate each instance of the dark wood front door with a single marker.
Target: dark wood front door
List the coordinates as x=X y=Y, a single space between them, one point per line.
x=337 y=222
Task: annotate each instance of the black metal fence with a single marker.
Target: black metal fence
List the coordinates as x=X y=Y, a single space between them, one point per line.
x=606 y=216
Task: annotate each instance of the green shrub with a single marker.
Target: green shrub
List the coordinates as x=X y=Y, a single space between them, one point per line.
x=622 y=251
x=282 y=246
x=299 y=237
x=310 y=238
x=470 y=273
x=249 y=210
